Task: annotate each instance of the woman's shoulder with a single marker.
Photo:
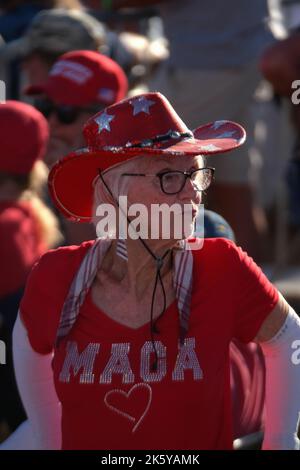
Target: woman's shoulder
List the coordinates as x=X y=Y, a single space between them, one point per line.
x=213 y=248
x=45 y=293
x=62 y=259
x=56 y=268
x=218 y=256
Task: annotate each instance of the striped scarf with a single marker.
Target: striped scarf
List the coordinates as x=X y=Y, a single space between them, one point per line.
x=82 y=282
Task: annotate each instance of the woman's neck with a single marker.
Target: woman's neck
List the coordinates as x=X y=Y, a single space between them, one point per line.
x=139 y=271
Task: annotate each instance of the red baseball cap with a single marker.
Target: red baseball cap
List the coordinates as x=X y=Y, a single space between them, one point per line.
x=81 y=78
x=23 y=135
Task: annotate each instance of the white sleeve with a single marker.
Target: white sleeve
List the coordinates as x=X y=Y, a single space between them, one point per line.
x=282 y=357
x=34 y=377
x=21 y=439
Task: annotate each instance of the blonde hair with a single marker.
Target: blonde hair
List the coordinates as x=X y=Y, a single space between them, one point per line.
x=47 y=222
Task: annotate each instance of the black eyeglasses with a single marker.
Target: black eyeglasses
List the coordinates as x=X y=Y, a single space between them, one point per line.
x=172 y=182
x=66 y=114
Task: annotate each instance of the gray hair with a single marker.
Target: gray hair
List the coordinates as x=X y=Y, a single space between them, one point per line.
x=117 y=183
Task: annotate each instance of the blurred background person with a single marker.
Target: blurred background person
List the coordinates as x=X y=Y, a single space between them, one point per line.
x=280 y=66
x=79 y=84
x=27 y=228
x=50 y=34
x=15 y=18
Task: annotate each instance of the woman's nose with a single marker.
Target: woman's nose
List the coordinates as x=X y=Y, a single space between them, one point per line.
x=191 y=191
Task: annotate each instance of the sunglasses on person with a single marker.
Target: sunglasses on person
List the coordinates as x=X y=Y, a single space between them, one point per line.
x=173 y=182
x=66 y=114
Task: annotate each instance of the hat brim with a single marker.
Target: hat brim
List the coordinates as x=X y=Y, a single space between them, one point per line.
x=57 y=95
x=35 y=89
x=61 y=93
x=71 y=179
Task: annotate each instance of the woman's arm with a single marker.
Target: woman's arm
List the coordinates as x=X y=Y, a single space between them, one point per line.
x=280 y=64
x=274 y=321
x=35 y=382
x=279 y=338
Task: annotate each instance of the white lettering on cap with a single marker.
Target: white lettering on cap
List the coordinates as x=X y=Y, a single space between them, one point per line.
x=78 y=73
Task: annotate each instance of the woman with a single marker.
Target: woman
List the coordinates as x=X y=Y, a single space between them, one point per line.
x=140 y=328
x=27 y=227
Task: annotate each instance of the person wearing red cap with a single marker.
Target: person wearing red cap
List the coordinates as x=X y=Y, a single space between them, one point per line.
x=27 y=227
x=79 y=84
x=138 y=321
x=23 y=134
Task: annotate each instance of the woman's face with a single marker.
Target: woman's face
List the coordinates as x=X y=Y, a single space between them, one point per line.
x=175 y=218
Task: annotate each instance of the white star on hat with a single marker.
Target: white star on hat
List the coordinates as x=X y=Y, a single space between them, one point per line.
x=103 y=121
x=215 y=125
x=141 y=105
x=226 y=135
x=209 y=147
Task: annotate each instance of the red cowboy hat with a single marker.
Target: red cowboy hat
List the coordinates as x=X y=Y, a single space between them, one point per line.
x=144 y=125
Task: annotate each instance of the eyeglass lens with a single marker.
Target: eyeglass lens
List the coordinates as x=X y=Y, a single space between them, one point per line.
x=174 y=181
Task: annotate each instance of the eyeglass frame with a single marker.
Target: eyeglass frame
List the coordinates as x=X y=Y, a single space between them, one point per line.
x=187 y=174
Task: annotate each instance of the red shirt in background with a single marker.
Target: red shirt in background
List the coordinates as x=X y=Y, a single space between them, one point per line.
x=20 y=245
x=110 y=397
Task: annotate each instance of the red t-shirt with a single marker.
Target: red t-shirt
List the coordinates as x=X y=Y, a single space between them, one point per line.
x=20 y=245
x=110 y=397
